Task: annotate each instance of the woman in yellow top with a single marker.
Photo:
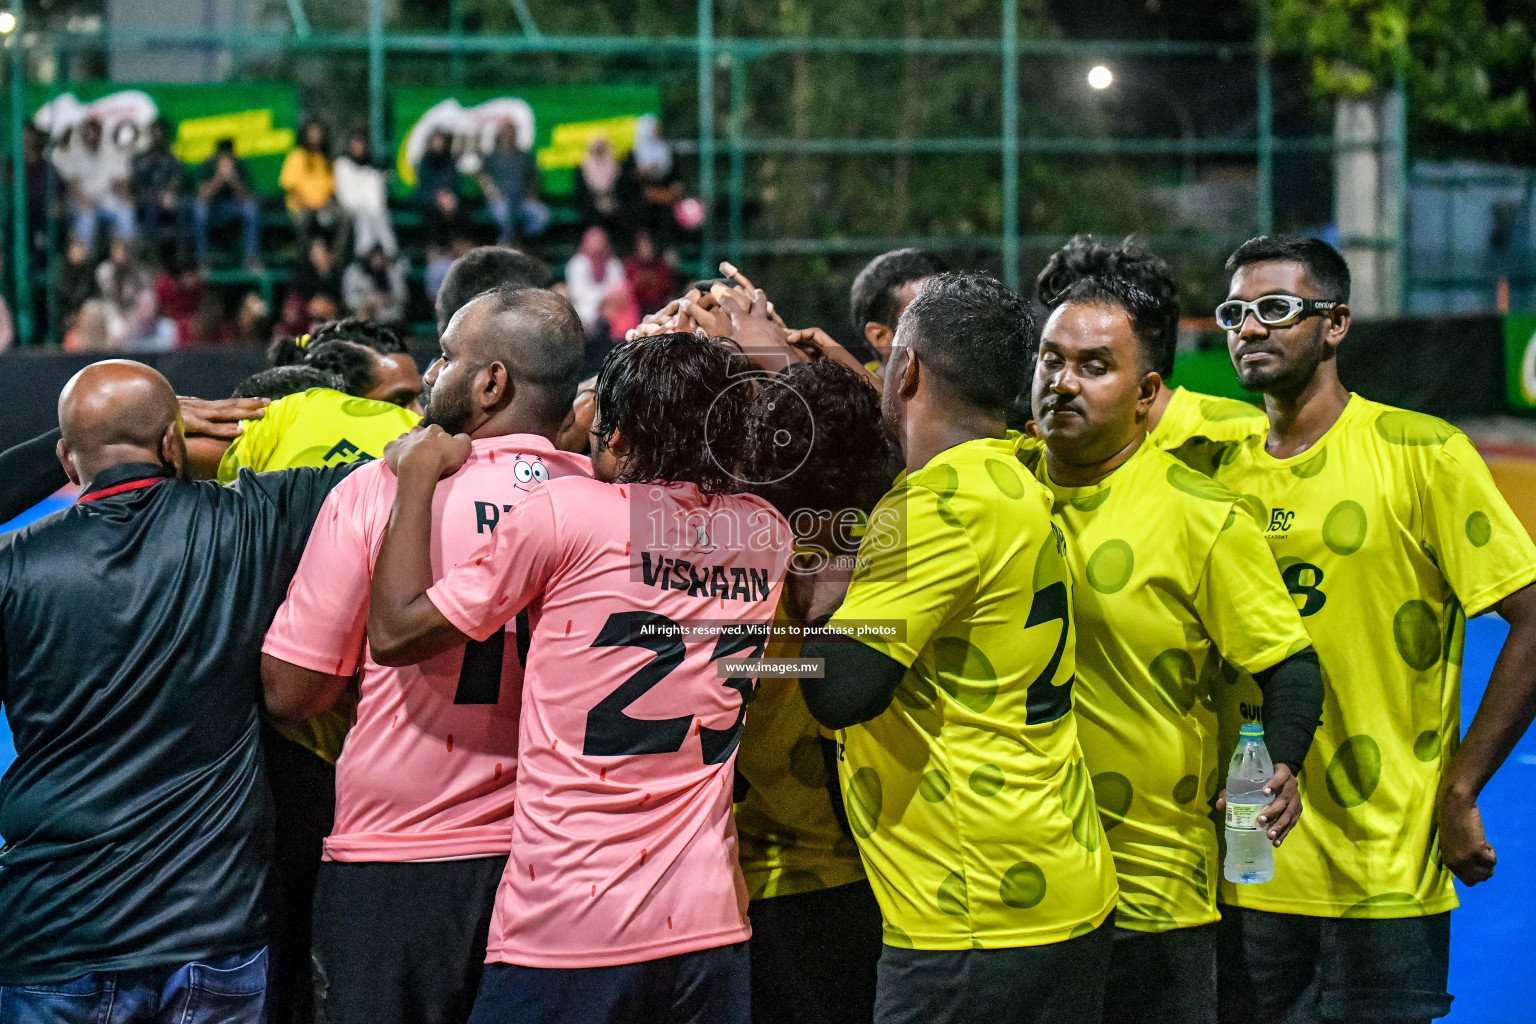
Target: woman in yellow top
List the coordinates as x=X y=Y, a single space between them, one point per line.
x=309 y=185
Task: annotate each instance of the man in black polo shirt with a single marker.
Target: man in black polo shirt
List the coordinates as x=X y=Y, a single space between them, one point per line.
x=135 y=819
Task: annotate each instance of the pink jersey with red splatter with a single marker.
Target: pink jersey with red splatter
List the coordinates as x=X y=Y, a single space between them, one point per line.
x=428 y=769
x=623 y=844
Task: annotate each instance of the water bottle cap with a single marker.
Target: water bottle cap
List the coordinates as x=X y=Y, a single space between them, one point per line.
x=1251 y=729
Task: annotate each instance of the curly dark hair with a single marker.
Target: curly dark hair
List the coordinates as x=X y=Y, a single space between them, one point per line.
x=975 y=336
x=1129 y=277
x=814 y=440
x=680 y=401
x=356 y=365
x=281 y=381
x=295 y=351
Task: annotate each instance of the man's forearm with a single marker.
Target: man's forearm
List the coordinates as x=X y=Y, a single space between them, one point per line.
x=402 y=621
x=858 y=684
x=31 y=471
x=1508 y=704
x=1293 y=707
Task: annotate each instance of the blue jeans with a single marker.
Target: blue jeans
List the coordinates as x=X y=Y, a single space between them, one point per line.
x=111 y=208
x=230 y=991
x=221 y=211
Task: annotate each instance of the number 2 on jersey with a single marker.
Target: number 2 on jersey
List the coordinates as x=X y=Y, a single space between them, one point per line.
x=612 y=733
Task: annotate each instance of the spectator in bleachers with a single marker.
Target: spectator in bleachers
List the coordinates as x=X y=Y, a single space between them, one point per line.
x=600 y=189
x=252 y=321
x=34 y=156
x=76 y=280
x=660 y=188
x=127 y=286
x=509 y=177
x=439 y=263
x=95 y=175
x=224 y=194
x=179 y=294
x=156 y=181
x=374 y=287
x=590 y=275
x=316 y=272
x=651 y=278
x=364 y=196
x=439 y=193
x=309 y=183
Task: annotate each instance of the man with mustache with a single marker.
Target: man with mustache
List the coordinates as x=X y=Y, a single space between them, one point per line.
x=1178 y=415
x=424 y=784
x=1388 y=531
x=1175 y=592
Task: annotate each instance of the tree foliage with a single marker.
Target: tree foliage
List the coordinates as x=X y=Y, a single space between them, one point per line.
x=1461 y=70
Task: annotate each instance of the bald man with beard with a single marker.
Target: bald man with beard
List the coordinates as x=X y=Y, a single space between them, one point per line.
x=135 y=819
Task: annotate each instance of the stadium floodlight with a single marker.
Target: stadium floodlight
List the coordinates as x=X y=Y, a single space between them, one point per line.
x=1100 y=77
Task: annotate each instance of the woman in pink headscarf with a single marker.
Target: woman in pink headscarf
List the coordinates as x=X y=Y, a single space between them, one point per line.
x=591 y=275
x=604 y=192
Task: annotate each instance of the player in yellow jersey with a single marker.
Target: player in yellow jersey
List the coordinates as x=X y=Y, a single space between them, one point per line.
x=949 y=673
x=817 y=451
x=319 y=426
x=1174 y=584
x=881 y=291
x=1178 y=414
x=1388 y=531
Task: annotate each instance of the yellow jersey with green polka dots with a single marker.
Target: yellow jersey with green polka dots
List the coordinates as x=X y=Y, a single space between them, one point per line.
x=788 y=838
x=318 y=427
x=972 y=806
x=1173 y=583
x=1190 y=414
x=1388 y=532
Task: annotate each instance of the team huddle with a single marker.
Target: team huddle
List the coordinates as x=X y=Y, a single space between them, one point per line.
x=747 y=681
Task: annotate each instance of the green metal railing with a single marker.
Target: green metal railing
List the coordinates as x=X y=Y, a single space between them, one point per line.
x=733 y=55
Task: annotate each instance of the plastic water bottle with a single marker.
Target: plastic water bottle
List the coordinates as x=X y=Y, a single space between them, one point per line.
x=1250 y=857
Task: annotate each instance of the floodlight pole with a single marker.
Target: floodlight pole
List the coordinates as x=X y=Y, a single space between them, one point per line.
x=706 y=47
x=1011 y=143
x=20 y=264
x=376 y=76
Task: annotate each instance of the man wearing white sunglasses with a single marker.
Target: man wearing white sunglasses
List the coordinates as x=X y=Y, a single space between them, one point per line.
x=1388 y=531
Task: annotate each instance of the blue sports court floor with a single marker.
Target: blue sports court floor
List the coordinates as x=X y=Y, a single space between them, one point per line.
x=1494 y=932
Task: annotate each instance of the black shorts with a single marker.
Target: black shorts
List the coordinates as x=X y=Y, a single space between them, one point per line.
x=709 y=986
x=1292 y=968
x=304 y=808
x=814 y=956
x=1062 y=983
x=402 y=943
x=1162 y=977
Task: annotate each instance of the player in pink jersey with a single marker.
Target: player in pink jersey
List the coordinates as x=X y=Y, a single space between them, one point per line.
x=424 y=785
x=622 y=899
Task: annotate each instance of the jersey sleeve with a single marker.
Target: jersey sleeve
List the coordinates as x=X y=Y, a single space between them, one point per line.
x=481 y=594
x=285 y=504
x=1479 y=544
x=257 y=441
x=917 y=566
x=1242 y=602
x=323 y=624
